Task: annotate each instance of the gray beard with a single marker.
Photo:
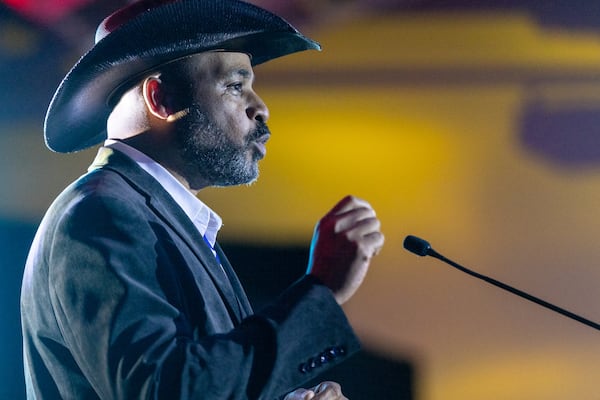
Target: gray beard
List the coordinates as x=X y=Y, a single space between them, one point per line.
x=210 y=156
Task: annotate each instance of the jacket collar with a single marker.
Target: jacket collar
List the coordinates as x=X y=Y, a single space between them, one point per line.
x=163 y=205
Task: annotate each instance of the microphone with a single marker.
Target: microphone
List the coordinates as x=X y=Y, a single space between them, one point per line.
x=422 y=248
x=178 y=115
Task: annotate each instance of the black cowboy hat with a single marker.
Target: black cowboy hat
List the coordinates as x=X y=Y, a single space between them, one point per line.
x=144 y=35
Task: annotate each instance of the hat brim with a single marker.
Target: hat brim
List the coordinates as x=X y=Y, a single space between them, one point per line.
x=76 y=117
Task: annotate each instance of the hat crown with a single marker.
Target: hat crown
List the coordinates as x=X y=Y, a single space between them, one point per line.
x=125 y=14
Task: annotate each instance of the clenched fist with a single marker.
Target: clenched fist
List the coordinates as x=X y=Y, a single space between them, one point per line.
x=344 y=242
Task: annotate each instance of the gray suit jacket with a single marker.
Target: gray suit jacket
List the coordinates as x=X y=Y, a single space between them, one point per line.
x=122 y=299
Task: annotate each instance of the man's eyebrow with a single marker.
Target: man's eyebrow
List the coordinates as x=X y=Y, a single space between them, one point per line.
x=240 y=72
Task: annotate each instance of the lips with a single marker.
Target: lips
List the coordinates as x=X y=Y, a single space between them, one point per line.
x=260 y=144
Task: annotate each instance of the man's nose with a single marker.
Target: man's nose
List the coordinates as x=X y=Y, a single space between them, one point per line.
x=257 y=109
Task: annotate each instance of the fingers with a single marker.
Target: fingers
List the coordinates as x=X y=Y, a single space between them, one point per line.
x=300 y=394
x=323 y=391
x=374 y=241
x=356 y=219
x=328 y=391
x=348 y=203
x=348 y=212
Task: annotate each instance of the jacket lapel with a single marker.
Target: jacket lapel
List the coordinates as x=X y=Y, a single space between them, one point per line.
x=244 y=304
x=172 y=215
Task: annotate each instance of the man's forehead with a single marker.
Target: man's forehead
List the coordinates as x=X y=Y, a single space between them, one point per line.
x=223 y=63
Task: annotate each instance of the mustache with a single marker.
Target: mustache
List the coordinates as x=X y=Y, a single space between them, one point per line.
x=261 y=130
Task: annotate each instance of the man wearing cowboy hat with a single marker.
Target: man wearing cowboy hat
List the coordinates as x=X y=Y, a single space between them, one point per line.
x=126 y=293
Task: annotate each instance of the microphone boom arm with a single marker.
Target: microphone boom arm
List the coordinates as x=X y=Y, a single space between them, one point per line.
x=422 y=248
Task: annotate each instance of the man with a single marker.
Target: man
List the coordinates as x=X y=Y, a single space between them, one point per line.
x=126 y=293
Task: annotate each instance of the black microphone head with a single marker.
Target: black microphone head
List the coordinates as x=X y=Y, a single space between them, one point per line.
x=417 y=245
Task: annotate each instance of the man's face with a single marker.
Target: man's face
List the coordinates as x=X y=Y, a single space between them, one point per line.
x=223 y=136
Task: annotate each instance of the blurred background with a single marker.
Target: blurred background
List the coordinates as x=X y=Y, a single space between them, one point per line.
x=474 y=124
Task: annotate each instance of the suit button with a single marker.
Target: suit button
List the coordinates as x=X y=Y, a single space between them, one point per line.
x=303 y=368
x=323 y=359
x=331 y=353
x=335 y=352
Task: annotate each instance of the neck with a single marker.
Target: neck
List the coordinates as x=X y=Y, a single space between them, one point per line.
x=169 y=157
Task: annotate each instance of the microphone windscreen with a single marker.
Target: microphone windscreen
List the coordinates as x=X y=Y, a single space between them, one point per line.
x=417 y=245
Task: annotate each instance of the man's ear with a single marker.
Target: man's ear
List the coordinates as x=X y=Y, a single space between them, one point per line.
x=156 y=98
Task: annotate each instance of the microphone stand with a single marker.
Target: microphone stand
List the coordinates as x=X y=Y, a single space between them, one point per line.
x=422 y=248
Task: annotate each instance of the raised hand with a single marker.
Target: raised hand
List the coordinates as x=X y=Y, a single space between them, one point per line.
x=344 y=242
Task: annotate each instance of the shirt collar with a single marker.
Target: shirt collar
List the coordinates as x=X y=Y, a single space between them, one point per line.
x=205 y=219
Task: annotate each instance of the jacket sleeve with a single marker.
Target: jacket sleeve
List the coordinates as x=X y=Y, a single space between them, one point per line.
x=115 y=310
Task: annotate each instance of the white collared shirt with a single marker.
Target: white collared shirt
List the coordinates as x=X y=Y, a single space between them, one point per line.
x=206 y=220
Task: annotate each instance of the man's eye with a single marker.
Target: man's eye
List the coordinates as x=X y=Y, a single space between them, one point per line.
x=237 y=87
